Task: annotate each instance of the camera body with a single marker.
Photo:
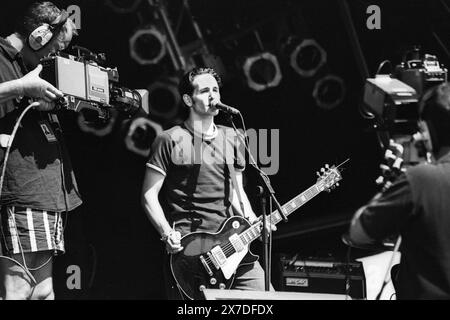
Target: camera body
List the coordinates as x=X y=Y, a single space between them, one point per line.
x=421 y=73
x=87 y=86
x=392 y=101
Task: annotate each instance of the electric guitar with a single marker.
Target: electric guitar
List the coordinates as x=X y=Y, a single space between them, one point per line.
x=210 y=260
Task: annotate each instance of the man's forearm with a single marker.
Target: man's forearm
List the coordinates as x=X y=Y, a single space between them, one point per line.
x=10 y=90
x=155 y=213
x=357 y=233
x=249 y=213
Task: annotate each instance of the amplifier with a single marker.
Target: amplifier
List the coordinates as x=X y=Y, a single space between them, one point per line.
x=323 y=276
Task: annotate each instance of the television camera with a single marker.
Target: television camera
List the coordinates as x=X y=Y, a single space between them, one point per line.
x=93 y=90
x=88 y=86
x=392 y=101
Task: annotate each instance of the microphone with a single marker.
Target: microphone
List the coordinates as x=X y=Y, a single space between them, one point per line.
x=223 y=107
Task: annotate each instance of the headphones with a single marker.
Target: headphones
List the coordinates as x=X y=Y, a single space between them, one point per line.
x=44 y=34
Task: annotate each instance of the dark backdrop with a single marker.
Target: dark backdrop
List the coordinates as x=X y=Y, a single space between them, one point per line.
x=110 y=237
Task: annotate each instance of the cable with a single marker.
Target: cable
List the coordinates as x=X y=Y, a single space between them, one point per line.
x=381 y=65
x=254 y=164
x=11 y=138
x=347 y=274
x=42 y=265
x=94 y=266
x=386 y=277
x=366 y=114
x=252 y=161
x=63 y=180
x=8 y=150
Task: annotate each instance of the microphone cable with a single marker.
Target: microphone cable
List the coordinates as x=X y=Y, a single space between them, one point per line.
x=254 y=164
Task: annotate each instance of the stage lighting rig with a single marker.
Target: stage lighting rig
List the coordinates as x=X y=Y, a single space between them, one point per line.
x=147 y=46
x=262 y=71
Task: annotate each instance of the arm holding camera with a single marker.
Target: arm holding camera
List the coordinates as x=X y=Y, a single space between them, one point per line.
x=393 y=164
x=31 y=85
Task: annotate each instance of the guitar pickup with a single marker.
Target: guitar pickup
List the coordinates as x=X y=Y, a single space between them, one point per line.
x=237 y=243
x=205 y=264
x=217 y=256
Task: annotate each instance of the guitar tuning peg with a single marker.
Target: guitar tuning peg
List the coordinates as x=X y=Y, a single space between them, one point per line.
x=327 y=166
x=318 y=173
x=322 y=170
x=337 y=184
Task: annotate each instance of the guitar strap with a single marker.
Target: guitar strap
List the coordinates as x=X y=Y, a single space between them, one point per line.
x=235 y=186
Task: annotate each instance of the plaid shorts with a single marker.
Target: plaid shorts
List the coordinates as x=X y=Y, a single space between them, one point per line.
x=30 y=230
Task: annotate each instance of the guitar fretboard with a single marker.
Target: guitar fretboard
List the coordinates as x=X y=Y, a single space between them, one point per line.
x=255 y=230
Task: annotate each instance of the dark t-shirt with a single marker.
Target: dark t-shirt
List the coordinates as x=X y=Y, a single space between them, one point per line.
x=196 y=194
x=37 y=164
x=417 y=207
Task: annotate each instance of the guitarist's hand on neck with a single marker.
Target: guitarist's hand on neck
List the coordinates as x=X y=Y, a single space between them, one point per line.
x=270 y=227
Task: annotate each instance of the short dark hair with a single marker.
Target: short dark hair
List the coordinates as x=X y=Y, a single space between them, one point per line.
x=435 y=109
x=35 y=15
x=186 y=87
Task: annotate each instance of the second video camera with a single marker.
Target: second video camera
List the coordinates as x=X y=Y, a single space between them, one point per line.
x=392 y=102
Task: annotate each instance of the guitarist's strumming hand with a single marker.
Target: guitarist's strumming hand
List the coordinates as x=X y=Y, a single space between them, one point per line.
x=172 y=241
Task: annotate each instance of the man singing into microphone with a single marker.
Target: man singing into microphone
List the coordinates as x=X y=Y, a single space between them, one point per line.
x=192 y=167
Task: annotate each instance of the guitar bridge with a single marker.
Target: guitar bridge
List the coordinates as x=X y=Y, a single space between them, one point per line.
x=205 y=264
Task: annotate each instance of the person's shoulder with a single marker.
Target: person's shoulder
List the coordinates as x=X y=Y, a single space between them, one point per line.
x=226 y=131
x=173 y=133
x=424 y=171
x=176 y=128
x=7 y=51
x=223 y=127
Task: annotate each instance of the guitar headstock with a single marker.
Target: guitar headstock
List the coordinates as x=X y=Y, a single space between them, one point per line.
x=328 y=178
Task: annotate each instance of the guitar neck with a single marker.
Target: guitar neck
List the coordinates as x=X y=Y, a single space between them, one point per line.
x=255 y=230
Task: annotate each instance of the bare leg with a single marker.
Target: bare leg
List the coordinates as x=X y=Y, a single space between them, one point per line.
x=18 y=285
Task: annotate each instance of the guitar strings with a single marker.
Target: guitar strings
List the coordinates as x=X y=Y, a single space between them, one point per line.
x=228 y=248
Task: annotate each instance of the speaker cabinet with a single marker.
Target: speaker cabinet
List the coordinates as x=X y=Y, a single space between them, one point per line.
x=321 y=276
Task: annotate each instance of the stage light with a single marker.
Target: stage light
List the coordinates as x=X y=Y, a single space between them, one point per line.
x=140 y=135
x=262 y=71
x=89 y=123
x=164 y=99
x=329 y=91
x=123 y=6
x=141 y=131
x=147 y=46
x=307 y=58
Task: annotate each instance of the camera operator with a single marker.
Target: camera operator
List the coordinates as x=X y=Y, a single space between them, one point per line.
x=416 y=207
x=38 y=183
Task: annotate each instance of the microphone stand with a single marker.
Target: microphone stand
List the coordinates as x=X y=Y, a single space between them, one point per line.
x=271 y=192
x=265 y=238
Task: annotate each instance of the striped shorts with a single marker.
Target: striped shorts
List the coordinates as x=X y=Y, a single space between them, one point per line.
x=30 y=230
